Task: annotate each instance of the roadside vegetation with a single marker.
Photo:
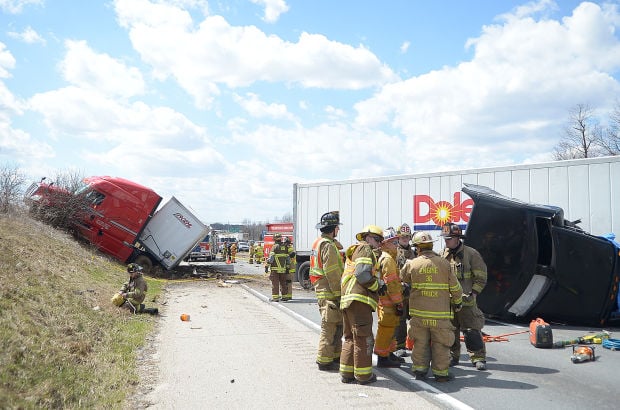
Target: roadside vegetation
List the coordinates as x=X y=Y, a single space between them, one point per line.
x=64 y=345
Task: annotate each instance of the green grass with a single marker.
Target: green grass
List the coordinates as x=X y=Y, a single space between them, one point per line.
x=63 y=344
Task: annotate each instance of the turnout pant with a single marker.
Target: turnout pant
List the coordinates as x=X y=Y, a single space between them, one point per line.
x=356 y=357
x=400 y=333
x=388 y=321
x=278 y=284
x=470 y=321
x=330 y=339
x=431 y=346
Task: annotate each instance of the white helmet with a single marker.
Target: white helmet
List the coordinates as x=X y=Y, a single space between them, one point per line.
x=422 y=237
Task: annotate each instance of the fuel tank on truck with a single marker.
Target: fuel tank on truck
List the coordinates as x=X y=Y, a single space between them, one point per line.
x=539 y=264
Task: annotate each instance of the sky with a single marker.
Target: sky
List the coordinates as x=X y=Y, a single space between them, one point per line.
x=227 y=104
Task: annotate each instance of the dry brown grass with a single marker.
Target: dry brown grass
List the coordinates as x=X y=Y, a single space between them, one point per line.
x=63 y=344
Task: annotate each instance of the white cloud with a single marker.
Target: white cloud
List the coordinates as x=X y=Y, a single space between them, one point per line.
x=260 y=109
x=213 y=53
x=87 y=69
x=17 y=6
x=273 y=9
x=15 y=144
x=335 y=113
x=404 y=47
x=29 y=36
x=509 y=102
x=7 y=61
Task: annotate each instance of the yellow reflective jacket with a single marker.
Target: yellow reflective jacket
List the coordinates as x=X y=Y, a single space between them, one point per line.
x=389 y=274
x=360 y=281
x=326 y=268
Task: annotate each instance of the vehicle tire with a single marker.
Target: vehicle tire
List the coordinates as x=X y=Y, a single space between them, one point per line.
x=303 y=275
x=145 y=262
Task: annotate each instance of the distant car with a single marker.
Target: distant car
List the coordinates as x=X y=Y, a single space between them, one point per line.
x=243 y=247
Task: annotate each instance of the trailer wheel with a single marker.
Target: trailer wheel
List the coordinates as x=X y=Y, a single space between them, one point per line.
x=145 y=262
x=303 y=275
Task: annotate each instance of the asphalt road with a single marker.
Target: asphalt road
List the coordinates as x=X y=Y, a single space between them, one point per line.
x=519 y=375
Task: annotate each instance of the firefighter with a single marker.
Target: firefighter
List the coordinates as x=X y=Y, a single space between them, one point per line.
x=404 y=252
x=435 y=294
x=233 y=252
x=134 y=290
x=326 y=269
x=471 y=271
x=390 y=307
x=291 y=268
x=361 y=288
x=277 y=266
x=258 y=253
x=251 y=253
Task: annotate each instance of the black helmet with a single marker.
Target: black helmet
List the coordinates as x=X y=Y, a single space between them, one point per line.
x=134 y=267
x=277 y=237
x=329 y=219
x=451 y=230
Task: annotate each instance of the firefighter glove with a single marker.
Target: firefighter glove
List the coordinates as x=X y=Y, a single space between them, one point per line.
x=382 y=288
x=266 y=268
x=457 y=308
x=406 y=289
x=399 y=309
x=470 y=297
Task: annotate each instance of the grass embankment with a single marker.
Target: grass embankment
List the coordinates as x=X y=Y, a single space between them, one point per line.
x=63 y=344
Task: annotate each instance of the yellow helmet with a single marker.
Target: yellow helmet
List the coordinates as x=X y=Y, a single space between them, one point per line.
x=373 y=229
x=117 y=299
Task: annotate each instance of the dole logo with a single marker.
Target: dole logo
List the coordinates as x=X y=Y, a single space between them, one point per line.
x=431 y=215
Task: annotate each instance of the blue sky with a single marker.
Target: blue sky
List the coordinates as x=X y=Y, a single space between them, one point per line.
x=226 y=104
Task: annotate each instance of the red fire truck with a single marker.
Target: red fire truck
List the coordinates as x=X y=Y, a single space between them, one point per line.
x=286 y=229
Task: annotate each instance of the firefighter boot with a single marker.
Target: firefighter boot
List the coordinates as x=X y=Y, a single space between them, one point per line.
x=387 y=362
x=395 y=358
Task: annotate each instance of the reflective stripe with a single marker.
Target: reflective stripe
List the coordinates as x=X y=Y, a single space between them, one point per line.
x=362 y=371
x=430 y=286
x=427 y=314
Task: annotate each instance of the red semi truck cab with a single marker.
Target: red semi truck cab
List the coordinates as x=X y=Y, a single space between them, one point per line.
x=118 y=211
x=124 y=219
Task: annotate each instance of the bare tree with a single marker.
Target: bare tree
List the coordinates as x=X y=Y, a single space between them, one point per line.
x=64 y=199
x=12 y=181
x=287 y=217
x=582 y=135
x=610 y=141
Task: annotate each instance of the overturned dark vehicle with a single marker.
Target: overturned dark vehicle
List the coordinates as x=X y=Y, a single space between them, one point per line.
x=540 y=265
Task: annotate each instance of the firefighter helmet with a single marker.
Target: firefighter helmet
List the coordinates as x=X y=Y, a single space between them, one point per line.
x=287 y=239
x=134 y=267
x=373 y=229
x=389 y=235
x=422 y=237
x=331 y=218
x=451 y=230
x=404 y=230
x=118 y=299
x=277 y=237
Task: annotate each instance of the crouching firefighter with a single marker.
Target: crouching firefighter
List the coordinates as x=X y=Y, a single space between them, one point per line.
x=133 y=292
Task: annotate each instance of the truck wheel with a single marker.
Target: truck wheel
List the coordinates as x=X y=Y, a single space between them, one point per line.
x=145 y=262
x=303 y=275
